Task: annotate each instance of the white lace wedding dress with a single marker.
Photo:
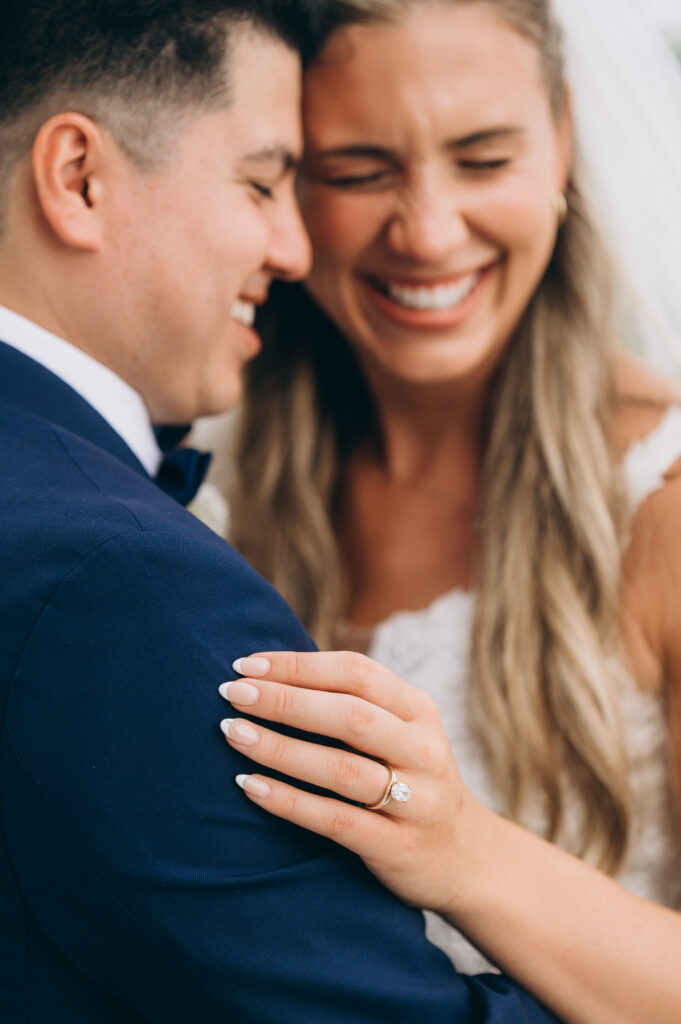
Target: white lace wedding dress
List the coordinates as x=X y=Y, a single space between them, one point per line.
x=430 y=648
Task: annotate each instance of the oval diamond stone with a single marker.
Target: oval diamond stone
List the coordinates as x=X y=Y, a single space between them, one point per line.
x=400 y=792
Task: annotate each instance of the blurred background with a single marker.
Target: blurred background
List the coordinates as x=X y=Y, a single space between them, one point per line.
x=668 y=13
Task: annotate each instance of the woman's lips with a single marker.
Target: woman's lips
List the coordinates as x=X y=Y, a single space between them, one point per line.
x=437 y=304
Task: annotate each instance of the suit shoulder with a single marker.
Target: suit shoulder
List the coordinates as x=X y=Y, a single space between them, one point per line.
x=72 y=517
x=43 y=472
x=57 y=484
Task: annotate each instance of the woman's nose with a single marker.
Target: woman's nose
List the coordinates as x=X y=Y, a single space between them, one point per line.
x=427 y=225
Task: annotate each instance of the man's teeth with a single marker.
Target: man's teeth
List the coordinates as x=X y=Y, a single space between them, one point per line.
x=244 y=312
x=442 y=296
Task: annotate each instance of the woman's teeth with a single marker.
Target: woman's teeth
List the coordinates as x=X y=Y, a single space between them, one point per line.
x=441 y=296
x=244 y=312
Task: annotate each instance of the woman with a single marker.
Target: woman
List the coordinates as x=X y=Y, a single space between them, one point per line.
x=452 y=477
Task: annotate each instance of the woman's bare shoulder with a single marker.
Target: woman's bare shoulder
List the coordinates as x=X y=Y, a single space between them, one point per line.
x=652 y=585
x=643 y=396
x=652 y=562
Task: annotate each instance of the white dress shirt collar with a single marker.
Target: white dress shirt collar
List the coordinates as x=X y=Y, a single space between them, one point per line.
x=120 y=405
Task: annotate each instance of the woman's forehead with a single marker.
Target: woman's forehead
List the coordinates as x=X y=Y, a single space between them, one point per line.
x=443 y=67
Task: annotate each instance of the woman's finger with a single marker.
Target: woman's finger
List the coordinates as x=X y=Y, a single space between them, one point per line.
x=358 y=830
x=353 y=721
x=343 y=772
x=338 y=672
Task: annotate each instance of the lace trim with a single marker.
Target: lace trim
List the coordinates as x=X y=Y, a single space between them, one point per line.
x=648 y=460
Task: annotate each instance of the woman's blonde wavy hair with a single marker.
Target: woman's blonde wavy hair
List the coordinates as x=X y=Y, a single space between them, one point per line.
x=552 y=517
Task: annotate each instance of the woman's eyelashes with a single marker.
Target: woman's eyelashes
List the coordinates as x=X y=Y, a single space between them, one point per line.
x=484 y=165
x=358 y=181
x=378 y=179
x=349 y=175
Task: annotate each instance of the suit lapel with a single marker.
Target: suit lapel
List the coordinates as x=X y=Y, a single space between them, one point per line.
x=30 y=387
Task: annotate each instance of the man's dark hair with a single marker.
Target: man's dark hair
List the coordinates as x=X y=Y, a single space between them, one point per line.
x=124 y=62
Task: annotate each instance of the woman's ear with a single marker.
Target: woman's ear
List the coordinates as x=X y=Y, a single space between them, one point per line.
x=68 y=160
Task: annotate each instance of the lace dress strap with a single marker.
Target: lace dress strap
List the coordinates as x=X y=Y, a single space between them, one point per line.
x=648 y=460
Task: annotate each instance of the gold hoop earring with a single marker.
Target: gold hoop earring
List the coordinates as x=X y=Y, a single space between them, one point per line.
x=560 y=205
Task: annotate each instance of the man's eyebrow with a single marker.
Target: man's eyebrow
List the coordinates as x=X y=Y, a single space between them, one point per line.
x=276 y=154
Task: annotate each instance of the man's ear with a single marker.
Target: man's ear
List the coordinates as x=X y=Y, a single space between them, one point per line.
x=68 y=160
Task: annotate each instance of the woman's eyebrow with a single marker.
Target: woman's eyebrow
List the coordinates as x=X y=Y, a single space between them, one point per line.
x=495 y=134
x=370 y=152
x=485 y=135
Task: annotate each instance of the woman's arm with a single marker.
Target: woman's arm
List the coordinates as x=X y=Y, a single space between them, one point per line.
x=598 y=953
x=591 y=951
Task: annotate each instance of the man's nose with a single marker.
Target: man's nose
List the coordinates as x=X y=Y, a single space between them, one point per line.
x=290 y=254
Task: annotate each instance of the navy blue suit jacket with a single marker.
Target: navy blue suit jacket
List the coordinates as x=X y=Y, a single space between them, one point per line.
x=137 y=883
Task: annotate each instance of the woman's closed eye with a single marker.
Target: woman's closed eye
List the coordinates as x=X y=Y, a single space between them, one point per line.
x=358 y=181
x=384 y=177
x=351 y=173
x=481 y=166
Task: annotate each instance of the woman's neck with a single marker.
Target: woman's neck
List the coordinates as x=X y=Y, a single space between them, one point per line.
x=407 y=519
x=425 y=432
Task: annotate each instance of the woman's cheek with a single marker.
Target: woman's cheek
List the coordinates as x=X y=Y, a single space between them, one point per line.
x=339 y=226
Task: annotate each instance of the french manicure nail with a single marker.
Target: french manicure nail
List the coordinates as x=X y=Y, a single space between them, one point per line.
x=252 y=666
x=256 y=787
x=242 y=732
x=238 y=692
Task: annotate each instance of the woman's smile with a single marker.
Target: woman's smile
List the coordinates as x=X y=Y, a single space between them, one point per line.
x=425 y=304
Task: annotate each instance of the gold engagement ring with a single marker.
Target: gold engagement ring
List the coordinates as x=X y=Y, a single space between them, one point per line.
x=395 y=790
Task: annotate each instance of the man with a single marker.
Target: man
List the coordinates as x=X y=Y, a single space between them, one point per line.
x=146 y=187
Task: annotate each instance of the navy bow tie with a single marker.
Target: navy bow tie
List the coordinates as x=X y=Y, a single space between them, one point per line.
x=182 y=470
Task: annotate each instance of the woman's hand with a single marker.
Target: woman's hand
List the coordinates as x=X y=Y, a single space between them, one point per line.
x=419 y=848
x=532 y=908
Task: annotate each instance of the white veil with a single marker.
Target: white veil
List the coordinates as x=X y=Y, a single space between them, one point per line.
x=627 y=89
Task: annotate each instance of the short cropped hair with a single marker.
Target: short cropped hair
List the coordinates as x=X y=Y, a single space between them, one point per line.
x=127 y=62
